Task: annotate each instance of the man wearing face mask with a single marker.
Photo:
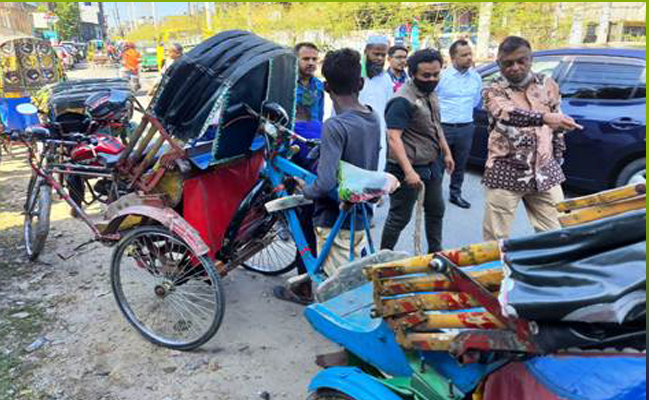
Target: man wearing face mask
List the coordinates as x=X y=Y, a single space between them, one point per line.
x=418 y=151
x=377 y=89
x=526 y=143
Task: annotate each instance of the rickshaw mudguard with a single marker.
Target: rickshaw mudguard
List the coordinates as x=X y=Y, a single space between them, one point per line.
x=347 y=321
x=352 y=382
x=166 y=217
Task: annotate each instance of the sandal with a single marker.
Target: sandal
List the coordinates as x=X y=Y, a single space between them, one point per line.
x=282 y=293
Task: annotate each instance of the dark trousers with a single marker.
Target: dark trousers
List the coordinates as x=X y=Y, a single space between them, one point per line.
x=402 y=203
x=459 y=140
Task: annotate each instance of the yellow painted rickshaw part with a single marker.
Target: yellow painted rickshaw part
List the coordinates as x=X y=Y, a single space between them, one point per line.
x=602 y=198
x=595 y=213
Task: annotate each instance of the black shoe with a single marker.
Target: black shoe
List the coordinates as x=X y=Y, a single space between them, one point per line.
x=460 y=202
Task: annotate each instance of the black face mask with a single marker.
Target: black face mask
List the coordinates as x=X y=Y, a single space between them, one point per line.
x=426 y=87
x=373 y=69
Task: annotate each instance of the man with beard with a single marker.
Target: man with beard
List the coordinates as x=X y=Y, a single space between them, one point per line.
x=459 y=92
x=377 y=90
x=526 y=143
x=418 y=151
x=397 y=56
x=309 y=104
x=309 y=114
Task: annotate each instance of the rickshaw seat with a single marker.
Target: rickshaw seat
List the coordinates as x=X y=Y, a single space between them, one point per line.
x=347 y=321
x=287 y=202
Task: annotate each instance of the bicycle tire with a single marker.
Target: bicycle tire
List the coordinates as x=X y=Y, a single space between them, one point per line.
x=278 y=258
x=38 y=205
x=195 y=266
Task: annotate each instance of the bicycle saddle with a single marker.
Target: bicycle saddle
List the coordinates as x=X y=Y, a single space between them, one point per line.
x=38 y=132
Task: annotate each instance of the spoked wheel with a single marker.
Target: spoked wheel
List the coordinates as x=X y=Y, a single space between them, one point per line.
x=173 y=297
x=37 y=216
x=279 y=256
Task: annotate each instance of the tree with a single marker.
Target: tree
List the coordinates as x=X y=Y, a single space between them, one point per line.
x=69 y=23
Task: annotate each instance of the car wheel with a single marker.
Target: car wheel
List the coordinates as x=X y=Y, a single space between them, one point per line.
x=634 y=172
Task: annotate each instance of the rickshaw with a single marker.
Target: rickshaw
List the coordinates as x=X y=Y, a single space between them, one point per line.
x=554 y=316
x=149 y=56
x=26 y=65
x=206 y=183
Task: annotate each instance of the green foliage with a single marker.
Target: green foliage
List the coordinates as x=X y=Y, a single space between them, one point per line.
x=68 y=25
x=540 y=23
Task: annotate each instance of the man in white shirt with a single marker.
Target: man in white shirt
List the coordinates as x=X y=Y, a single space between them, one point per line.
x=377 y=89
x=459 y=92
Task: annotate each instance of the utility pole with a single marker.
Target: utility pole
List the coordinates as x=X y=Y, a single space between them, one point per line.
x=155 y=18
x=133 y=21
x=119 y=21
x=208 y=15
x=484 y=30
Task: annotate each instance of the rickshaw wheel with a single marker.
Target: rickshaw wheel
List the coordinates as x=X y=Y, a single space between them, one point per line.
x=278 y=257
x=173 y=297
x=329 y=395
x=37 y=216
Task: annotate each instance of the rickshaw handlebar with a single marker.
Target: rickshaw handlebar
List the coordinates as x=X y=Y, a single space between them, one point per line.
x=281 y=128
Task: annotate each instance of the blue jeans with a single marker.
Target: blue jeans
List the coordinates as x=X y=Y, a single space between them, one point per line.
x=459 y=140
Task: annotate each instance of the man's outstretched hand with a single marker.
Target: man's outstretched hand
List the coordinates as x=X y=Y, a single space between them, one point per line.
x=559 y=121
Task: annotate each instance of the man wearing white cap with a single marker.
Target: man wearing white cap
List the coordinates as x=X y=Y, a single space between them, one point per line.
x=377 y=90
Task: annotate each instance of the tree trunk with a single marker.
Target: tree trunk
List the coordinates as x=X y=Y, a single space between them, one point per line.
x=484 y=30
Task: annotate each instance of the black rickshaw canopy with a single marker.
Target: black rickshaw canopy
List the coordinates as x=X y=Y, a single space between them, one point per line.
x=202 y=95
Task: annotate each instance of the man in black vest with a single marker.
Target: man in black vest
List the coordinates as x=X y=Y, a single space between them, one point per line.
x=417 y=150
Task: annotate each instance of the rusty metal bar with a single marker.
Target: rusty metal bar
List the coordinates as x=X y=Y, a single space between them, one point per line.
x=602 y=198
x=490 y=278
x=134 y=139
x=142 y=144
x=602 y=211
x=471 y=320
x=474 y=254
x=450 y=301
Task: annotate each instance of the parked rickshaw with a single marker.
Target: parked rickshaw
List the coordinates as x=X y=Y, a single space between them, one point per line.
x=554 y=316
x=149 y=57
x=205 y=184
x=26 y=65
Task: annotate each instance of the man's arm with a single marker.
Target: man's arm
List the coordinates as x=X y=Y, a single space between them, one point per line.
x=397 y=114
x=321 y=104
x=331 y=149
x=478 y=94
x=443 y=144
x=505 y=111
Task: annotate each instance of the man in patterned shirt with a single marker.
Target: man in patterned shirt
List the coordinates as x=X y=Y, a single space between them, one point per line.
x=526 y=143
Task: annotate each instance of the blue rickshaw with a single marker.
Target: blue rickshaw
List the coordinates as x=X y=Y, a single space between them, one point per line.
x=553 y=316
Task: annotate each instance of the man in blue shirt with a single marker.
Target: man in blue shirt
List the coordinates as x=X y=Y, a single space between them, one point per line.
x=309 y=107
x=459 y=92
x=309 y=115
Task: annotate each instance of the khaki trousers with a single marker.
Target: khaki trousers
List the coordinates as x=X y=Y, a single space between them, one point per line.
x=340 y=249
x=501 y=207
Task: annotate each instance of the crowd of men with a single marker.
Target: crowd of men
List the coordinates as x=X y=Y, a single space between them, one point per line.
x=414 y=120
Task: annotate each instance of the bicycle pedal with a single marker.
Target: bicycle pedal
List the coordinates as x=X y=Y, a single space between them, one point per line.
x=75 y=251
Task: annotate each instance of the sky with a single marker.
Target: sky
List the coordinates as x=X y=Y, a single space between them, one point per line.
x=163 y=9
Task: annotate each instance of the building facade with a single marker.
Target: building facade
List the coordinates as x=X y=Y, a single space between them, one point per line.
x=16 y=18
